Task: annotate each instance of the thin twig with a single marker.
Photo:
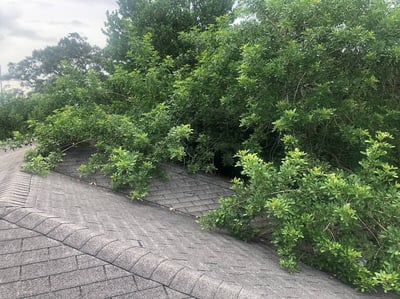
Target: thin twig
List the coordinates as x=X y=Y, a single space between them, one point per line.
x=74 y=144
x=372 y=233
x=270 y=194
x=327 y=228
x=298 y=86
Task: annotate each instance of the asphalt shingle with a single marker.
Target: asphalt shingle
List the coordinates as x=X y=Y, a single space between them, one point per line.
x=61 y=238
x=47 y=268
x=109 y=288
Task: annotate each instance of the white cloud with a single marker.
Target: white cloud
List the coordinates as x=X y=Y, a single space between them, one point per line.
x=26 y=25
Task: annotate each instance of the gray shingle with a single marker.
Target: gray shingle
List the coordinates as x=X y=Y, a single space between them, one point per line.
x=63 y=231
x=10 y=234
x=9 y=274
x=157 y=292
x=130 y=257
x=10 y=246
x=88 y=261
x=38 y=242
x=245 y=294
x=115 y=272
x=80 y=237
x=228 y=290
x=185 y=280
x=95 y=244
x=143 y=283
x=10 y=260
x=47 y=268
x=147 y=264
x=111 y=251
x=73 y=293
x=77 y=278
x=60 y=251
x=177 y=295
x=25 y=288
x=6 y=225
x=33 y=286
x=166 y=271
x=48 y=225
x=32 y=220
x=206 y=287
x=17 y=215
x=109 y=288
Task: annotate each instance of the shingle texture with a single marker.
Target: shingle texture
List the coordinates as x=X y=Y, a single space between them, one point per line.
x=61 y=237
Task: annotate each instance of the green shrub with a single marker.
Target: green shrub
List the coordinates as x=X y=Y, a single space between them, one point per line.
x=322 y=71
x=319 y=70
x=129 y=150
x=346 y=223
x=37 y=164
x=13 y=114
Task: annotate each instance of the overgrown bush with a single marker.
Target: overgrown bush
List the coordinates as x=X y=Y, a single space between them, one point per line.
x=347 y=223
x=42 y=165
x=323 y=73
x=128 y=150
x=13 y=114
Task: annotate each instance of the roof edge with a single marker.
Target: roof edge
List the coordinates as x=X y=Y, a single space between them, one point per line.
x=124 y=254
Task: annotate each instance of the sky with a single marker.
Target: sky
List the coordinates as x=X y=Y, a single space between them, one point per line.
x=26 y=25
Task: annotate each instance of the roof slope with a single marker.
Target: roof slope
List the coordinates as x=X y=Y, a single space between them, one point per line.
x=63 y=237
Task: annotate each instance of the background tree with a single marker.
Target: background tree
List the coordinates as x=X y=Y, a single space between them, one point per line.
x=307 y=93
x=319 y=79
x=46 y=64
x=163 y=19
x=13 y=114
x=323 y=71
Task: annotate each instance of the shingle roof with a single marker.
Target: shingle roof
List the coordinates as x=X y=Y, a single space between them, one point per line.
x=62 y=237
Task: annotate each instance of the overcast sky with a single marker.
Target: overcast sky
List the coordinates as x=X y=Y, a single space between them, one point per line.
x=26 y=25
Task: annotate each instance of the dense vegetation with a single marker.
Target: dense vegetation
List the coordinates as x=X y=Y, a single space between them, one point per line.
x=302 y=96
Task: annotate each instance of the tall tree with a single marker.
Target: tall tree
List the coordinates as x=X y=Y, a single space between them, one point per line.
x=163 y=19
x=45 y=64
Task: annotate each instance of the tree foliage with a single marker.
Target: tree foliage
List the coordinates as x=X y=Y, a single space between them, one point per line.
x=163 y=20
x=126 y=151
x=323 y=71
x=46 y=64
x=12 y=114
x=297 y=94
x=344 y=223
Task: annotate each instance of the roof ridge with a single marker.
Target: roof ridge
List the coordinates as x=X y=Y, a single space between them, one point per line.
x=134 y=259
x=125 y=254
